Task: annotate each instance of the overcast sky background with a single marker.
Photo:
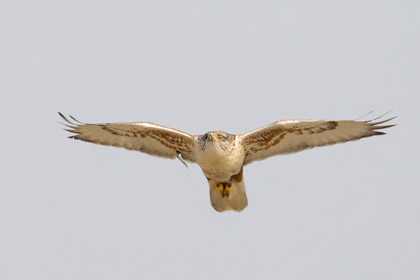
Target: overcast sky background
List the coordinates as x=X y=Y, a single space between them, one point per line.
x=73 y=210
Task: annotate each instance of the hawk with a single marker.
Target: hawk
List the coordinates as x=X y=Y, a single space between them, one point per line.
x=222 y=156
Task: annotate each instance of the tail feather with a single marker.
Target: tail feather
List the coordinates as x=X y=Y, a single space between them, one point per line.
x=236 y=201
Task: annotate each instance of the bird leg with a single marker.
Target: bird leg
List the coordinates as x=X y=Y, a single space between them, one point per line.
x=225 y=189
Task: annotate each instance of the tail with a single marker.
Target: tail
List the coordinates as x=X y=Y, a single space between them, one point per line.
x=236 y=201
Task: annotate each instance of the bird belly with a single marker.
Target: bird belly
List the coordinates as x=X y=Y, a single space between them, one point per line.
x=221 y=167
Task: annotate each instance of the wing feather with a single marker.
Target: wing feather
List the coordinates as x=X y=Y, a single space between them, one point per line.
x=291 y=136
x=145 y=137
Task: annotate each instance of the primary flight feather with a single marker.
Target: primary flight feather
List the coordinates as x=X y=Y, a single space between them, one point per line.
x=221 y=155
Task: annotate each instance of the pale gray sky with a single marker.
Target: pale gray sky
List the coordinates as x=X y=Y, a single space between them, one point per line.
x=73 y=210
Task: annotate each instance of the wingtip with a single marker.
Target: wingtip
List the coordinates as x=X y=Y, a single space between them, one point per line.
x=365 y=115
x=70 y=130
x=379 y=133
x=383 y=115
x=76 y=120
x=65 y=119
x=376 y=126
x=72 y=120
x=380 y=122
x=384 y=126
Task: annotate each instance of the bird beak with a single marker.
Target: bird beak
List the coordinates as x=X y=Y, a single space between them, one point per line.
x=212 y=137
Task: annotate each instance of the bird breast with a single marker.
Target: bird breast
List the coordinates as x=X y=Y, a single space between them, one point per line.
x=219 y=164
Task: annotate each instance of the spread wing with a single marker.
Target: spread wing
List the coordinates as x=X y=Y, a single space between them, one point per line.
x=145 y=137
x=291 y=136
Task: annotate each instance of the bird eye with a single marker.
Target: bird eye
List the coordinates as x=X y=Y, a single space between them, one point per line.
x=220 y=137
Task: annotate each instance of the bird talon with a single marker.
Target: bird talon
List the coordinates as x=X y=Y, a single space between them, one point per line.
x=225 y=189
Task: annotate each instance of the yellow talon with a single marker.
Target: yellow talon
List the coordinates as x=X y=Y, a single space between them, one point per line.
x=220 y=188
x=228 y=190
x=224 y=189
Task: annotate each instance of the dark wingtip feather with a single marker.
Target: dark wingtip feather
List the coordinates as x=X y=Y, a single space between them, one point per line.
x=76 y=120
x=365 y=115
x=66 y=119
x=71 y=126
x=383 y=115
x=375 y=126
x=71 y=130
x=378 y=133
x=383 y=126
x=384 y=121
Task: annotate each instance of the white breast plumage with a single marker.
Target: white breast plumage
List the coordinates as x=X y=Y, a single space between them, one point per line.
x=218 y=164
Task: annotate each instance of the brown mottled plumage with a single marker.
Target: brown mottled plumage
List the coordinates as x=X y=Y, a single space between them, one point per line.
x=221 y=155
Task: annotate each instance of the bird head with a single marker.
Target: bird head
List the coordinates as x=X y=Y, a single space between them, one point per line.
x=217 y=139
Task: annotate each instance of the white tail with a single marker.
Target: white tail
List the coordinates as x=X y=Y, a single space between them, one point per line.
x=236 y=201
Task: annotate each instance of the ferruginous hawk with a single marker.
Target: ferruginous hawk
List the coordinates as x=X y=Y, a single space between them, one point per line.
x=221 y=155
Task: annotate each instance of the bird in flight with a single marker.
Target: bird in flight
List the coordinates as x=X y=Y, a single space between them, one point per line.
x=222 y=156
